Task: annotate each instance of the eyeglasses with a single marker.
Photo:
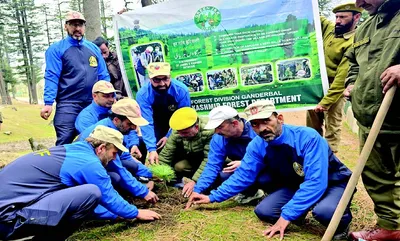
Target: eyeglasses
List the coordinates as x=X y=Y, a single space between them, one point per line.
x=75 y=25
x=158 y=80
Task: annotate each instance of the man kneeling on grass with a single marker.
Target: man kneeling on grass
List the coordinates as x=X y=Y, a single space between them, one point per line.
x=187 y=147
x=298 y=170
x=49 y=193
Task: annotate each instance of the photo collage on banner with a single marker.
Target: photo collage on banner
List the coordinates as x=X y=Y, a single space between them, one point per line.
x=229 y=52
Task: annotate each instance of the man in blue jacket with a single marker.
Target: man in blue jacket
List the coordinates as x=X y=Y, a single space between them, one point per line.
x=103 y=93
x=227 y=149
x=158 y=100
x=49 y=193
x=73 y=66
x=125 y=117
x=300 y=173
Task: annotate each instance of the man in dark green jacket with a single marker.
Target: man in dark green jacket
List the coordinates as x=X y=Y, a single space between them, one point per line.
x=374 y=69
x=188 y=146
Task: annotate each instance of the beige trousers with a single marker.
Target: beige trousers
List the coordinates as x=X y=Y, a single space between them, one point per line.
x=333 y=123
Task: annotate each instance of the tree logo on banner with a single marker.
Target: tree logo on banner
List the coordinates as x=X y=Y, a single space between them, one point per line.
x=207 y=18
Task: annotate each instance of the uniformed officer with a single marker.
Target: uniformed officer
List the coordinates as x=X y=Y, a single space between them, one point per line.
x=374 y=69
x=158 y=100
x=337 y=39
x=103 y=93
x=300 y=173
x=49 y=193
x=188 y=146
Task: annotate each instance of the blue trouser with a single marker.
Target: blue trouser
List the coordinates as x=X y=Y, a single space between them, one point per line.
x=269 y=209
x=64 y=121
x=54 y=217
x=262 y=180
x=131 y=165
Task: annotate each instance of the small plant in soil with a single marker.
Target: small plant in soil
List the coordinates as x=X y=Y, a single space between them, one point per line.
x=164 y=172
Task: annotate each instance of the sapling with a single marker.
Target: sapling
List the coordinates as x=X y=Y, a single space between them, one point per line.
x=164 y=172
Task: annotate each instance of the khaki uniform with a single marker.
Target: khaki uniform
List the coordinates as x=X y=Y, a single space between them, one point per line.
x=337 y=66
x=377 y=47
x=188 y=156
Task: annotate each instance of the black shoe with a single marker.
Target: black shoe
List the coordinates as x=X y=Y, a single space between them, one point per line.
x=342 y=235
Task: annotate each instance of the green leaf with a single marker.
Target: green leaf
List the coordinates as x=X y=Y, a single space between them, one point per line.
x=163 y=171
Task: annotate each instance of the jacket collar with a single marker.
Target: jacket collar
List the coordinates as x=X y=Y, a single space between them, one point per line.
x=100 y=109
x=75 y=42
x=387 y=11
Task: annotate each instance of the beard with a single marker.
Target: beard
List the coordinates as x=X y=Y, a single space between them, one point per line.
x=104 y=160
x=76 y=37
x=160 y=91
x=271 y=135
x=342 y=29
x=267 y=135
x=121 y=129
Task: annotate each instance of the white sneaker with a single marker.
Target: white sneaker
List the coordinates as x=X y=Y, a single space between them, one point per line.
x=239 y=197
x=244 y=200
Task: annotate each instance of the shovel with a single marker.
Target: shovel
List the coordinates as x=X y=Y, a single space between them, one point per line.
x=369 y=143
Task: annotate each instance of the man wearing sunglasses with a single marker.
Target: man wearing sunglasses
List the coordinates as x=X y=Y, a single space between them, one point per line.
x=73 y=66
x=158 y=100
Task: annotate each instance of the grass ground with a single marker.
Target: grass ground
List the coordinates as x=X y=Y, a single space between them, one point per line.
x=224 y=221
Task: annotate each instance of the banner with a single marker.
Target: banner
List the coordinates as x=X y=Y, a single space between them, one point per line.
x=229 y=52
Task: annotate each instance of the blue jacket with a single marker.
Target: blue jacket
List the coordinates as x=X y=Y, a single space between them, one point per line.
x=90 y=116
x=37 y=174
x=130 y=140
x=222 y=148
x=72 y=68
x=158 y=108
x=300 y=158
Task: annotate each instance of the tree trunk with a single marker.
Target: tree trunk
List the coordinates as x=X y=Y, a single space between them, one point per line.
x=23 y=46
x=61 y=18
x=93 y=21
x=146 y=3
x=8 y=95
x=3 y=92
x=103 y=17
x=80 y=6
x=32 y=81
x=46 y=16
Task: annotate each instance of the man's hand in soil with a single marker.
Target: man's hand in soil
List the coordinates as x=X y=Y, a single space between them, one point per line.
x=153 y=157
x=197 y=198
x=151 y=197
x=147 y=215
x=279 y=226
x=188 y=188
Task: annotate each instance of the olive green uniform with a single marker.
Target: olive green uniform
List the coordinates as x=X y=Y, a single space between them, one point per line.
x=188 y=156
x=376 y=48
x=337 y=67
